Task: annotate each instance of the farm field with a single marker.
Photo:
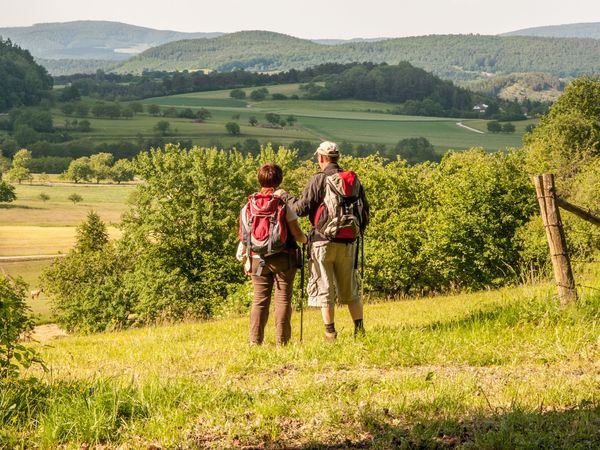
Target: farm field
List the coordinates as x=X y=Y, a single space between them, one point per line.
x=495 y=369
x=353 y=121
x=31 y=226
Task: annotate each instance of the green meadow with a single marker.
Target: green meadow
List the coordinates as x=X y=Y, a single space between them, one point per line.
x=354 y=121
x=496 y=370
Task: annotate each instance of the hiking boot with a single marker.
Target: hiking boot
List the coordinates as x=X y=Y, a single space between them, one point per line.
x=330 y=337
x=359 y=332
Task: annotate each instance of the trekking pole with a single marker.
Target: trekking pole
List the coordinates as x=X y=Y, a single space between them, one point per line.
x=362 y=264
x=302 y=291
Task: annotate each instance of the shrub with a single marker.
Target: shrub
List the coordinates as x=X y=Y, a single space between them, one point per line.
x=75 y=198
x=237 y=93
x=232 y=128
x=14 y=321
x=87 y=286
x=493 y=126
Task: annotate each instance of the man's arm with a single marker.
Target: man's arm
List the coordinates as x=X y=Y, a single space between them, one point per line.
x=309 y=198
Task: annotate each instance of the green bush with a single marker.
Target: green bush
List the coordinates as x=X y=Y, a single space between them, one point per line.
x=14 y=322
x=465 y=223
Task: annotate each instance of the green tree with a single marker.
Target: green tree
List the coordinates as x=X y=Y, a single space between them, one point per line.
x=273 y=118
x=291 y=120
x=25 y=135
x=259 y=94
x=127 y=112
x=567 y=139
x=79 y=169
x=251 y=146
x=184 y=266
x=153 y=110
x=122 y=170
x=136 y=107
x=75 y=198
x=81 y=109
x=203 y=114
x=232 y=128
x=508 y=127
x=493 y=126
x=88 y=288
x=237 y=93
x=170 y=112
x=84 y=126
x=91 y=234
x=44 y=197
x=100 y=164
x=7 y=192
x=19 y=171
x=416 y=150
x=252 y=121
x=14 y=322
x=98 y=110
x=69 y=94
x=162 y=127
x=67 y=108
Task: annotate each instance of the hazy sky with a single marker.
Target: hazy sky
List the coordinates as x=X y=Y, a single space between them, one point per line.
x=311 y=18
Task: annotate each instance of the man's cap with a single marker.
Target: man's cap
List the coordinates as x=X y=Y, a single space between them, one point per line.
x=328 y=148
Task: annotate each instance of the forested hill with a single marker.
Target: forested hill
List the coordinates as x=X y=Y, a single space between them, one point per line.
x=573 y=30
x=22 y=80
x=456 y=57
x=89 y=39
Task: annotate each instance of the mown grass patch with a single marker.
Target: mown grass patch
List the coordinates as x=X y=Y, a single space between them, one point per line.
x=497 y=369
x=45 y=240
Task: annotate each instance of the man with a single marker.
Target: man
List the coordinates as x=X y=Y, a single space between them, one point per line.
x=332 y=260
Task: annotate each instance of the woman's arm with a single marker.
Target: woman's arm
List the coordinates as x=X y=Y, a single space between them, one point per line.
x=296 y=231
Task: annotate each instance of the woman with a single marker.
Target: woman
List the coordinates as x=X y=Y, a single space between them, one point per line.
x=278 y=269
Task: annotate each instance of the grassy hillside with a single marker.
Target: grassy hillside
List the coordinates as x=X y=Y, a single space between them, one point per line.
x=496 y=369
x=355 y=121
x=571 y=30
x=454 y=56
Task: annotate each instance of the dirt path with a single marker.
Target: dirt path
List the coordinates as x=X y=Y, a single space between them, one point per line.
x=31 y=257
x=462 y=125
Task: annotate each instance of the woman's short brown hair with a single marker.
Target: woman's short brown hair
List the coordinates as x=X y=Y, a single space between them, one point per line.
x=270 y=176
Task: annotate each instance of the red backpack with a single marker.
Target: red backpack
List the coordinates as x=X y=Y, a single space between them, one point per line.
x=263 y=228
x=341 y=215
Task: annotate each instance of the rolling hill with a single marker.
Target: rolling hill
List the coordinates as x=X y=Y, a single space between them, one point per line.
x=456 y=57
x=573 y=30
x=87 y=39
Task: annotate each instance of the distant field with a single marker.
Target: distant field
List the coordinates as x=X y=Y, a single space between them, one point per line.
x=109 y=201
x=30 y=226
x=30 y=272
x=342 y=120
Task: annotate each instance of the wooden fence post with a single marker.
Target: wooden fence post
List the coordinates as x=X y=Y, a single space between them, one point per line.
x=563 y=274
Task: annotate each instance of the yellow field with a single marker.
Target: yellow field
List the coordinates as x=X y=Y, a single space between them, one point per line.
x=21 y=240
x=32 y=226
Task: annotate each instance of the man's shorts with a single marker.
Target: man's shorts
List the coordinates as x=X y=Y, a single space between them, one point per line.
x=333 y=277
